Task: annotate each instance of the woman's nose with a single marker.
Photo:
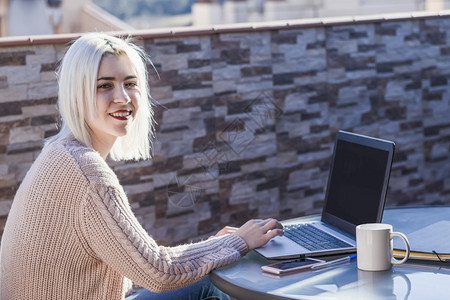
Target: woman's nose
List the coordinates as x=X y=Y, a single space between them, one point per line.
x=121 y=96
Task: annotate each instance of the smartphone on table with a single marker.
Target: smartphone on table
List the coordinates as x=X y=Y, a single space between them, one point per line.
x=291 y=265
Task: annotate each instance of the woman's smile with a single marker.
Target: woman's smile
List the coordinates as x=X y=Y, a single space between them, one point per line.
x=122 y=115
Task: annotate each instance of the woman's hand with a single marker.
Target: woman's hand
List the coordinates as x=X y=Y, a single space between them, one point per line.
x=226 y=230
x=257 y=233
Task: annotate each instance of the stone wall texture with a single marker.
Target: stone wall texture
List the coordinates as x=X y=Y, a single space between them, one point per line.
x=246 y=117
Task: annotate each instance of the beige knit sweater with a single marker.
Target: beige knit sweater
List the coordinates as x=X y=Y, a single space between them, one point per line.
x=71 y=234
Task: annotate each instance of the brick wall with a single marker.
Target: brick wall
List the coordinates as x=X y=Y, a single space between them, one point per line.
x=247 y=116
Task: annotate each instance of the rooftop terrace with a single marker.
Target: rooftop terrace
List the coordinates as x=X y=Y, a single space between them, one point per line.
x=247 y=115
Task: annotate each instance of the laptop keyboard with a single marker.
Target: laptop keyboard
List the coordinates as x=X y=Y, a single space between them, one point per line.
x=313 y=238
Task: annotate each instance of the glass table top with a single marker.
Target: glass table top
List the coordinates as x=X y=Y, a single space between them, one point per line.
x=412 y=280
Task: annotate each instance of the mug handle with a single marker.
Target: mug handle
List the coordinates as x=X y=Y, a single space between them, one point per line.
x=405 y=240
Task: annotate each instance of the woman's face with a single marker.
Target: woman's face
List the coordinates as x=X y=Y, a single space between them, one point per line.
x=118 y=96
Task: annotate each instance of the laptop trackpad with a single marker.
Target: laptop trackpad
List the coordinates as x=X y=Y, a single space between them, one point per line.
x=281 y=247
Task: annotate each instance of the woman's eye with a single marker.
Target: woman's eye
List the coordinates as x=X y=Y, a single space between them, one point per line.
x=104 y=86
x=131 y=84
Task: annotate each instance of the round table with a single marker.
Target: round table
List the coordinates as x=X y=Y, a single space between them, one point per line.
x=412 y=280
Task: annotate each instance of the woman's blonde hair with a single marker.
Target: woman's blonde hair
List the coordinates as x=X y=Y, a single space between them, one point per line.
x=77 y=79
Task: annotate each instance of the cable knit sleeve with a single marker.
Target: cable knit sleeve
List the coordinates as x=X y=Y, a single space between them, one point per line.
x=116 y=238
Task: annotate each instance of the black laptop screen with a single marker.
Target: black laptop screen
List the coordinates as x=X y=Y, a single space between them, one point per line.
x=356 y=183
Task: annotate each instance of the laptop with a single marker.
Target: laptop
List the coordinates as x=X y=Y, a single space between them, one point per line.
x=356 y=193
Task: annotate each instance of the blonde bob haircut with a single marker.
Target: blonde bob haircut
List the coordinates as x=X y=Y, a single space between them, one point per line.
x=77 y=79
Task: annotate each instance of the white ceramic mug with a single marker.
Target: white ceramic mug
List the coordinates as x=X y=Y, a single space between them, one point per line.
x=374 y=247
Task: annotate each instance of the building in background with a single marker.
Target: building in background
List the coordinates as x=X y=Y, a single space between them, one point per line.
x=211 y=12
x=37 y=17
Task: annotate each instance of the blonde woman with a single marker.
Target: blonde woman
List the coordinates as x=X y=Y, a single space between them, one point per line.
x=70 y=233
